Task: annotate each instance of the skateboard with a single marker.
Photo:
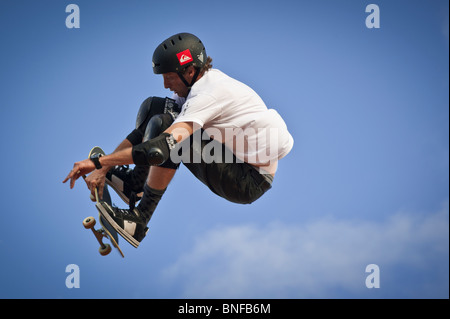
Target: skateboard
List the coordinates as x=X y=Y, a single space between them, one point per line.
x=106 y=230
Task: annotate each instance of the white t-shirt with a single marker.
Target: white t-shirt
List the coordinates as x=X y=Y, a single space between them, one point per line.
x=234 y=114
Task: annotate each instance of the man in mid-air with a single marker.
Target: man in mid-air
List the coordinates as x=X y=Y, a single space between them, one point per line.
x=217 y=126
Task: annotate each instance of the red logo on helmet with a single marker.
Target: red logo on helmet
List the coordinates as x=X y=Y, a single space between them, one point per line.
x=185 y=57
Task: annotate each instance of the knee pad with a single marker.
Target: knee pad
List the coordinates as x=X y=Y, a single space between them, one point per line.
x=150 y=107
x=154 y=106
x=154 y=117
x=155 y=151
x=156 y=125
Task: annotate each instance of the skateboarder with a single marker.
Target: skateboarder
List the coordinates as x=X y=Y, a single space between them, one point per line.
x=217 y=126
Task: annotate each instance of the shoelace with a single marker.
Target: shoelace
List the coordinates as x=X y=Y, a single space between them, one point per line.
x=122 y=169
x=127 y=214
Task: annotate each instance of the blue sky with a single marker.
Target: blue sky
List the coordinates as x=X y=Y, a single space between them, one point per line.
x=367 y=181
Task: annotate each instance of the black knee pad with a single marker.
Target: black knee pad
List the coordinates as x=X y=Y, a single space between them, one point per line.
x=149 y=108
x=154 y=152
x=157 y=125
x=153 y=106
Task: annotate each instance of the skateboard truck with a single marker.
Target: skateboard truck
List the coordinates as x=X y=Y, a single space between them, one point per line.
x=89 y=223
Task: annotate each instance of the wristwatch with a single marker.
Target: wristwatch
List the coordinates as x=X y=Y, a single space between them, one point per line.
x=95 y=158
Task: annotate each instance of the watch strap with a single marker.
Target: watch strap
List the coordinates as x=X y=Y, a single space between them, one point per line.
x=95 y=158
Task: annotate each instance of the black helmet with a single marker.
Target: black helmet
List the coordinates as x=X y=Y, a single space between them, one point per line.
x=178 y=52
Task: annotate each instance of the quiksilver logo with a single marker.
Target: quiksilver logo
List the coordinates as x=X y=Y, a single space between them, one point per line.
x=185 y=57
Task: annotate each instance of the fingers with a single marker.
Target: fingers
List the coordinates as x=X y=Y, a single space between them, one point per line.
x=68 y=176
x=73 y=176
x=95 y=181
x=88 y=182
x=91 y=185
x=73 y=180
x=79 y=169
x=99 y=189
x=100 y=193
x=92 y=196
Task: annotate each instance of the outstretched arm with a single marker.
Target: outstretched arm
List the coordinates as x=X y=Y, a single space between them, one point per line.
x=86 y=166
x=180 y=131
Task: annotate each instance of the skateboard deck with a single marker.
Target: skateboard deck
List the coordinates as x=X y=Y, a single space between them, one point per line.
x=106 y=230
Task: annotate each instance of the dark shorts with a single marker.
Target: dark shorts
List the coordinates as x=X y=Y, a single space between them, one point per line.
x=238 y=182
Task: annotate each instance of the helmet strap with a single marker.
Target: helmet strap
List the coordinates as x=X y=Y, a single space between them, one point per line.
x=194 y=79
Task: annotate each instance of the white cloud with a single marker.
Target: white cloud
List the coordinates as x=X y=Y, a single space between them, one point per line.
x=323 y=259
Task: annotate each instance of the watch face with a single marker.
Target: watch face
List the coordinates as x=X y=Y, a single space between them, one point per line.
x=95 y=158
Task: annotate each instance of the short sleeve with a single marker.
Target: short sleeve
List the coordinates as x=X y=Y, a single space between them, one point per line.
x=199 y=109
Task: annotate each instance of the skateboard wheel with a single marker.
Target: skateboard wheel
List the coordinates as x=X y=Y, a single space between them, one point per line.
x=105 y=251
x=89 y=222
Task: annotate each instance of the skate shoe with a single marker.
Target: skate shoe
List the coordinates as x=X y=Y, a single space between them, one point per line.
x=131 y=224
x=120 y=179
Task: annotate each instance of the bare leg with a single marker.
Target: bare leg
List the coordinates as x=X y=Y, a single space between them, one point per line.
x=160 y=177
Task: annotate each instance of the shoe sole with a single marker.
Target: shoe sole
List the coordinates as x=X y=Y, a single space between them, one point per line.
x=133 y=242
x=121 y=193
